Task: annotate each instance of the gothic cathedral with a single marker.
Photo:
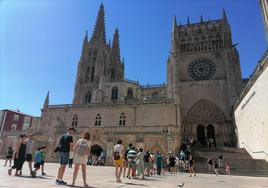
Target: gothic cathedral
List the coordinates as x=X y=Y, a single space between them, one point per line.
x=203 y=82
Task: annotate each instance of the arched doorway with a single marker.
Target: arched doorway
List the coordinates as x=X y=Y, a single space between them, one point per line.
x=211 y=133
x=96 y=150
x=207 y=114
x=201 y=139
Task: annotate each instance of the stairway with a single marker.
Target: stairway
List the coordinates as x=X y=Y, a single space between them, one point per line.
x=241 y=162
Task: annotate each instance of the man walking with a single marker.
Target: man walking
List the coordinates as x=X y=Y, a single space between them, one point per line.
x=65 y=146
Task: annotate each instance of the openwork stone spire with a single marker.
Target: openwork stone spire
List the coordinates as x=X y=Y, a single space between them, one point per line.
x=46 y=102
x=85 y=44
x=99 y=29
x=116 y=47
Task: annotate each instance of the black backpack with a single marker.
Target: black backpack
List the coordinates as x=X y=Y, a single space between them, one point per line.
x=61 y=142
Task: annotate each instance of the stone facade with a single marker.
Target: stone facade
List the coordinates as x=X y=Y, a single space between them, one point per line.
x=204 y=77
x=203 y=81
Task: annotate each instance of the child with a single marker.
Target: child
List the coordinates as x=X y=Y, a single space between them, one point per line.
x=37 y=161
x=9 y=156
x=43 y=155
x=71 y=157
x=228 y=168
x=216 y=167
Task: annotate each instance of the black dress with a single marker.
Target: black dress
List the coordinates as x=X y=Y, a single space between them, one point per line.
x=18 y=163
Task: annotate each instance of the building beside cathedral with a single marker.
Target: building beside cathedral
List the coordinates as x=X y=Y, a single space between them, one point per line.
x=250 y=110
x=203 y=82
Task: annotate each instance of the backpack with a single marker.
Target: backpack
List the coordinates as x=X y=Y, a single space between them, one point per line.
x=116 y=155
x=81 y=147
x=10 y=152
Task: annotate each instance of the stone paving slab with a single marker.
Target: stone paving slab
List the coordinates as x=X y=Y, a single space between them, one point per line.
x=103 y=177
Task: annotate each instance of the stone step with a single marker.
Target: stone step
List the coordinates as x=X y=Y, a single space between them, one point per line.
x=241 y=162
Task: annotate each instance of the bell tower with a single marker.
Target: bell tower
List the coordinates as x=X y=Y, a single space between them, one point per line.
x=99 y=62
x=203 y=73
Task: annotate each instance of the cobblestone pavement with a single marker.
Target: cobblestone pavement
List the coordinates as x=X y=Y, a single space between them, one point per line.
x=103 y=177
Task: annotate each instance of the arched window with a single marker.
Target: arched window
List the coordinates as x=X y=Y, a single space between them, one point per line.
x=92 y=74
x=112 y=74
x=155 y=95
x=75 y=121
x=122 y=120
x=88 y=98
x=114 y=95
x=88 y=74
x=98 y=120
x=130 y=92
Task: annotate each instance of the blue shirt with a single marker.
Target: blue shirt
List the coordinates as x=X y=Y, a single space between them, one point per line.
x=38 y=157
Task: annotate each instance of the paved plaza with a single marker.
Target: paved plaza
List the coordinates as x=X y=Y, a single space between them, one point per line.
x=103 y=177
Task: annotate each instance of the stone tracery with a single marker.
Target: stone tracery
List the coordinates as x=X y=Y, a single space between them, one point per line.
x=205 y=111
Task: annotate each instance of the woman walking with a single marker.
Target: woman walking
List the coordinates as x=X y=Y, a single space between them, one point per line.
x=140 y=163
x=81 y=151
x=191 y=164
x=19 y=157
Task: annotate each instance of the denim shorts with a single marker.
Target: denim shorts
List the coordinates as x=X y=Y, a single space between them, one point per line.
x=64 y=158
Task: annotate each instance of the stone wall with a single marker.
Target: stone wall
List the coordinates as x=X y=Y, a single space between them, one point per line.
x=251 y=113
x=150 y=126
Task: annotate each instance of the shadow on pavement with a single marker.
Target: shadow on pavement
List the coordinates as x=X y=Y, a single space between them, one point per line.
x=37 y=177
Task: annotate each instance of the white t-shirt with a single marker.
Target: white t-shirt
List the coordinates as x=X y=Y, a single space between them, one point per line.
x=119 y=148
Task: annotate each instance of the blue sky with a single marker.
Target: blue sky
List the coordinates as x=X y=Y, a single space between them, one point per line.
x=40 y=41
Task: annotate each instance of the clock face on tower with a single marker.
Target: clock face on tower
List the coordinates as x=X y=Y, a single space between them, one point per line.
x=201 y=69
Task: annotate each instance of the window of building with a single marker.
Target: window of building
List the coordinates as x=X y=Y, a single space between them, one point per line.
x=75 y=121
x=122 y=120
x=112 y=74
x=88 y=98
x=26 y=123
x=114 y=95
x=95 y=55
x=16 y=117
x=130 y=92
x=155 y=95
x=88 y=74
x=13 y=127
x=92 y=74
x=98 y=120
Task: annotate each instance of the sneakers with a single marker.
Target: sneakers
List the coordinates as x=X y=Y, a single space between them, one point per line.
x=9 y=171
x=60 y=182
x=43 y=174
x=33 y=174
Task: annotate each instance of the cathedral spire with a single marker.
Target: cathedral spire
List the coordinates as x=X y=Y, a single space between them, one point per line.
x=188 y=20
x=85 y=43
x=201 y=19
x=116 y=47
x=46 y=103
x=174 y=23
x=224 y=16
x=99 y=29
